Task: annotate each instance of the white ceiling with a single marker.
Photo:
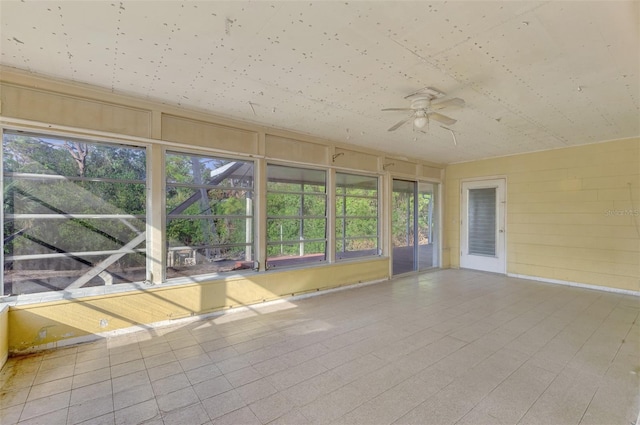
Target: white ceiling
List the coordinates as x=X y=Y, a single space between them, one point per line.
x=535 y=75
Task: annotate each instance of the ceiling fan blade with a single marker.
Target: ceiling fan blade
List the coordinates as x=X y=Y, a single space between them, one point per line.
x=397 y=109
x=401 y=123
x=442 y=118
x=416 y=92
x=456 y=101
x=427 y=91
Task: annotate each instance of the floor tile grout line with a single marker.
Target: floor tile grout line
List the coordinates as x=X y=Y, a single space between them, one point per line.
x=586 y=409
x=564 y=367
x=538 y=398
x=501 y=382
x=623 y=341
x=562 y=329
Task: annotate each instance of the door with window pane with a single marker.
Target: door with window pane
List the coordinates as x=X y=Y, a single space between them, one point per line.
x=482 y=221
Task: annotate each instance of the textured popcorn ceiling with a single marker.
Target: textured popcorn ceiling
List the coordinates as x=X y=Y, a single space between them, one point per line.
x=535 y=75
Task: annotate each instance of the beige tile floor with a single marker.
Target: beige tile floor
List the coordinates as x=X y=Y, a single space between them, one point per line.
x=447 y=347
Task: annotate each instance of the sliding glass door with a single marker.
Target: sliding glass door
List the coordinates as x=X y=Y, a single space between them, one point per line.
x=428 y=242
x=403 y=226
x=413 y=230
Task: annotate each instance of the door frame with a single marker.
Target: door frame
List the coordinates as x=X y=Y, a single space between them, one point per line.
x=500 y=183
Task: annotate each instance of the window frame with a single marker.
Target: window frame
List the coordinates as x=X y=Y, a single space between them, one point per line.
x=253 y=190
x=338 y=216
x=94 y=139
x=269 y=260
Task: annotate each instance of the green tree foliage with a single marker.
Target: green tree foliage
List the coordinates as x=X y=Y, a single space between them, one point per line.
x=356 y=213
x=70 y=189
x=296 y=211
x=403 y=218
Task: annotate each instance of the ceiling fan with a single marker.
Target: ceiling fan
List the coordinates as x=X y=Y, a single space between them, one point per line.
x=423 y=106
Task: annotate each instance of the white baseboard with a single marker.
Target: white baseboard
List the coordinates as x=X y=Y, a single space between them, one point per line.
x=576 y=284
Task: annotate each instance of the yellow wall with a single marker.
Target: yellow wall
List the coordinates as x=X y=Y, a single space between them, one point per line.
x=42 y=325
x=4 y=334
x=572 y=214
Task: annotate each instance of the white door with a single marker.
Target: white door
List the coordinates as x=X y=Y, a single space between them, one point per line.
x=482 y=236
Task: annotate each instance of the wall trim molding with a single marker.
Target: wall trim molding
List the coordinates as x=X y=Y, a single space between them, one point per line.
x=186 y=320
x=576 y=284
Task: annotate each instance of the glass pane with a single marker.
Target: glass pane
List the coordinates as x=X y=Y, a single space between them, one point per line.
x=403 y=216
x=64 y=235
x=191 y=201
x=359 y=207
x=295 y=229
x=209 y=231
x=340 y=229
x=283 y=204
x=210 y=171
x=361 y=227
x=427 y=226
x=314 y=228
x=31 y=195
x=359 y=247
x=294 y=179
x=356 y=216
x=314 y=205
x=403 y=186
x=187 y=261
x=74 y=213
x=214 y=190
x=57 y=156
x=356 y=184
x=292 y=218
x=402 y=226
x=283 y=255
x=283 y=230
x=482 y=221
x=340 y=206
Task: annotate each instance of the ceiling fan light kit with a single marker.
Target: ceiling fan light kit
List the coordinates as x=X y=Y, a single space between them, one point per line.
x=420 y=120
x=423 y=106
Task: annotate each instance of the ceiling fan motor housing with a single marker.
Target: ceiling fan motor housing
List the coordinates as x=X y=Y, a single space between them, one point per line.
x=420 y=103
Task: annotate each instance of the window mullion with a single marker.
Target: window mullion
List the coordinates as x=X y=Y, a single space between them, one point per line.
x=156 y=256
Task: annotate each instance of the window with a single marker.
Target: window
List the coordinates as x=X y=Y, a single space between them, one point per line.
x=296 y=216
x=356 y=216
x=74 y=213
x=209 y=224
